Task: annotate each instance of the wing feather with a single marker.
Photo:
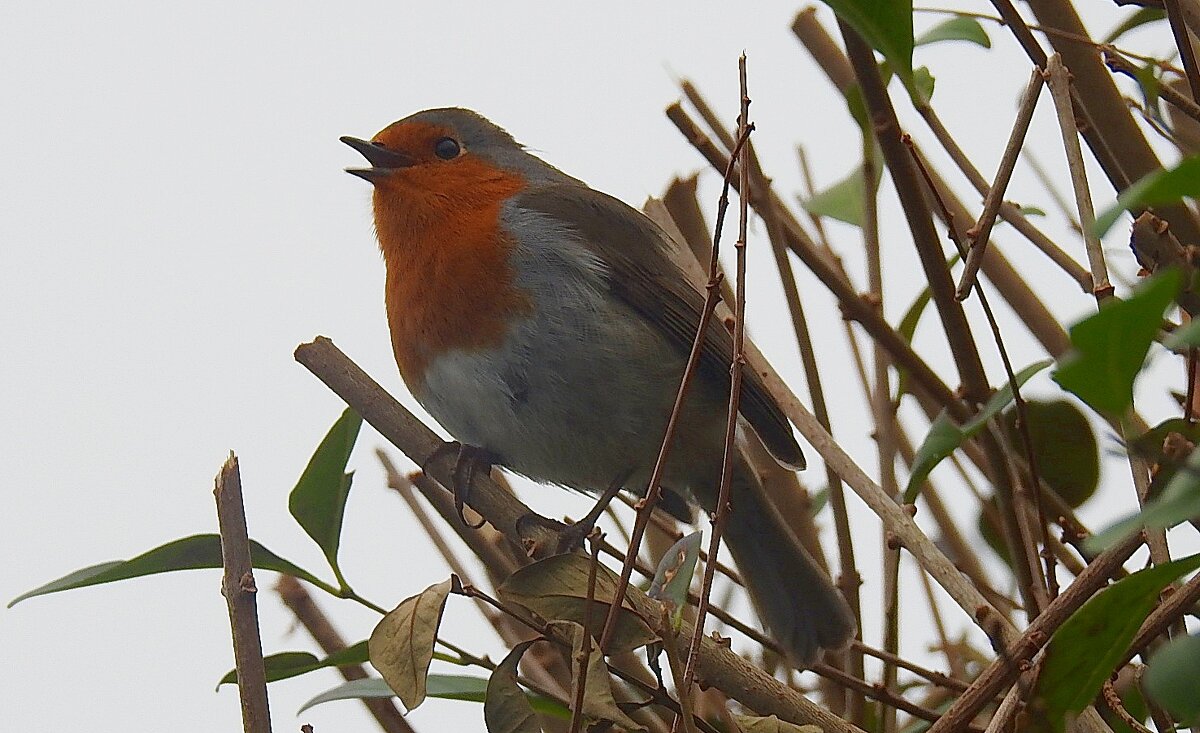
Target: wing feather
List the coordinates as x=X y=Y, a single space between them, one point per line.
x=643 y=275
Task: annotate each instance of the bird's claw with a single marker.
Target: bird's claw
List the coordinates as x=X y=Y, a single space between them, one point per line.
x=468 y=459
x=543 y=536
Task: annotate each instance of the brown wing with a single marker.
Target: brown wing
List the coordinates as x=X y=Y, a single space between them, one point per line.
x=643 y=275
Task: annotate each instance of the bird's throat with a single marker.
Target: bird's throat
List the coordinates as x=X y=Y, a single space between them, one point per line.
x=449 y=273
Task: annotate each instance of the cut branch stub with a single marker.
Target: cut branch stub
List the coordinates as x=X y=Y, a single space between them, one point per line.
x=1155 y=248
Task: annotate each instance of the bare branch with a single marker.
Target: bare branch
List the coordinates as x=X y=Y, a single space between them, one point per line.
x=237 y=585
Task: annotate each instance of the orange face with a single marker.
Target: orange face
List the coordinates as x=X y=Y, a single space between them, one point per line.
x=442 y=182
x=437 y=215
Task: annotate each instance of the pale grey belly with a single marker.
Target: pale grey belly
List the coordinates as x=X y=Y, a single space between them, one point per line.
x=577 y=399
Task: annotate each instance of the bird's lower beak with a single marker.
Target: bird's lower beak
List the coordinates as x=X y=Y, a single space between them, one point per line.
x=383 y=161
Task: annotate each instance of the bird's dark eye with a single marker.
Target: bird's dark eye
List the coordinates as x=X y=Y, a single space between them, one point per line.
x=447 y=148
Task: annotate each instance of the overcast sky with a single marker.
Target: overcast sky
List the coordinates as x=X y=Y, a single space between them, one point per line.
x=174 y=221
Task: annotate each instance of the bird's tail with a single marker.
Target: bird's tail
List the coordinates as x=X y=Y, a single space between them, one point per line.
x=793 y=595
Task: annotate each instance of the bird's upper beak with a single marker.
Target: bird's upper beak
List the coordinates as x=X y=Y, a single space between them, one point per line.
x=383 y=161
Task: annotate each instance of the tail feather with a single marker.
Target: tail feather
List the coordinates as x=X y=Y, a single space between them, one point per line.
x=794 y=597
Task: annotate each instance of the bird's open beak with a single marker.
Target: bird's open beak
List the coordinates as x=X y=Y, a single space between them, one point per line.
x=383 y=161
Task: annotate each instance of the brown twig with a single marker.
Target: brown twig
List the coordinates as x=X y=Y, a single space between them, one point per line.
x=1112 y=701
x=736 y=369
x=237 y=585
x=1177 y=604
x=982 y=230
x=890 y=699
x=1184 y=43
x=853 y=306
x=1118 y=63
x=652 y=492
x=1060 y=90
x=1005 y=669
x=585 y=653
x=907 y=185
x=310 y=616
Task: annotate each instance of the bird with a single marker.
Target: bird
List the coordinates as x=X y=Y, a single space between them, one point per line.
x=544 y=325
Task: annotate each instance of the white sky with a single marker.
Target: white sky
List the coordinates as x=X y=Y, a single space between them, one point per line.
x=174 y=221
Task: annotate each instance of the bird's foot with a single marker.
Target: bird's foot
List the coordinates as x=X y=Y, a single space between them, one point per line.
x=543 y=536
x=572 y=536
x=468 y=459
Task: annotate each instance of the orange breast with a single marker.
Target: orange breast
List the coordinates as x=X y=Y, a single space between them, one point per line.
x=449 y=278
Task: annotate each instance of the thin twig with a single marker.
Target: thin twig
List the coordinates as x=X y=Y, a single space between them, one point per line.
x=982 y=230
x=1007 y=666
x=920 y=222
x=736 y=369
x=820 y=262
x=237 y=585
x=1118 y=63
x=585 y=652
x=1113 y=702
x=654 y=488
x=1060 y=90
x=1184 y=43
x=1017 y=534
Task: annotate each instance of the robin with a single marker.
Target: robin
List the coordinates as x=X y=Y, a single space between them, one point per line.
x=544 y=324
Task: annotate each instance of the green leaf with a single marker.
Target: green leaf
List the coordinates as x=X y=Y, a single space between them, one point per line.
x=945 y=437
x=1031 y=211
x=1138 y=18
x=886 y=25
x=1089 y=645
x=1147 y=77
x=908 y=326
x=1110 y=346
x=857 y=107
x=190 y=553
x=293 y=664
x=1003 y=396
x=922 y=85
x=843 y=200
x=959 y=28
x=1064 y=445
x=1184 y=338
x=1159 y=187
x=1171 y=678
x=673 y=576
x=369 y=687
x=1179 y=502
x=442 y=686
x=319 y=500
